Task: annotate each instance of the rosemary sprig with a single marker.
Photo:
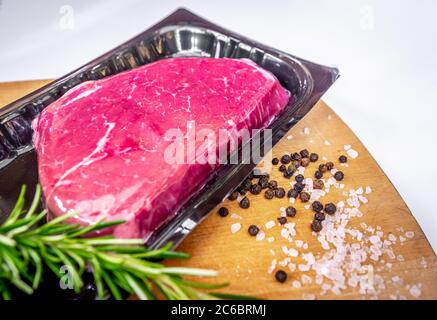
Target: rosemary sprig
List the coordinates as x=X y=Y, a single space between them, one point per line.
x=30 y=249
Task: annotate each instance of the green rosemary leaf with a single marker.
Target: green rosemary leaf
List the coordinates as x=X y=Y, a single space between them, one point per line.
x=35 y=201
x=18 y=208
x=30 y=250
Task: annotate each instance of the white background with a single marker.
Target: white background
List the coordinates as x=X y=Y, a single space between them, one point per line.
x=386 y=51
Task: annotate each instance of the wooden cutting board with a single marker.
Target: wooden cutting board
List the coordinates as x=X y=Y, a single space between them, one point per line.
x=243 y=262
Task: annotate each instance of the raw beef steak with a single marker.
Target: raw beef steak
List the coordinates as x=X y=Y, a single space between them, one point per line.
x=101 y=146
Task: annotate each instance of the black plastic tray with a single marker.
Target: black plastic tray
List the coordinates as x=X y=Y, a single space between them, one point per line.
x=180 y=34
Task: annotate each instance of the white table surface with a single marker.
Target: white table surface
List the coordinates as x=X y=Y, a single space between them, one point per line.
x=385 y=49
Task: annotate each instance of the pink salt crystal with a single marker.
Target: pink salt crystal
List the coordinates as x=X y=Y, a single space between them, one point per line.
x=235 y=227
x=270 y=239
x=392 y=237
x=375 y=240
x=359 y=190
x=400 y=258
x=346 y=147
x=296 y=284
x=292 y=267
x=368 y=190
x=270 y=224
x=303 y=267
x=289 y=137
x=327 y=143
x=260 y=236
x=409 y=234
x=235 y=216
x=415 y=291
x=309 y=296
x=306 y=131
x=272 y=266
x=305 y=246
x=352 y=153
x=306 y=279
x=272 y=252
x=363 y=199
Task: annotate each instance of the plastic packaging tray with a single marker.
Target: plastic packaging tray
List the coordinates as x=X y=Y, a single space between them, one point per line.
x=180 y=34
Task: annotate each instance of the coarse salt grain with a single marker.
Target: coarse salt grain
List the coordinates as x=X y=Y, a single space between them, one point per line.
x=368 y=190
x=289 y=137
x=236 y=216
x=260 y=236
x=270 y=224
x=303 y=267
x=296 y=284
x=306 y=131
x=327 y=143
x=235 y=227
x=309 y=296
x=271 y=239
x=352 y=153
x=415 y=291
x=409 y=234
x=346 y=147
x=272 y=266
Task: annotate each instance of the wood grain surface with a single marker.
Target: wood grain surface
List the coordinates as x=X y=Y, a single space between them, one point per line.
x=243 y=262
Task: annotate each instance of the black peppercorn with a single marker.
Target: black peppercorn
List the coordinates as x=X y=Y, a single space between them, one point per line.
x=318 y=184
x=269 y=194
x=251 y=175
x=320 y=216
x=282 y=168
x=223 y=212
x=292 y=193
x=246 y=183
x=233 y=196
x=288 y=173
x=330 y=208
x=242 y=190
x=316 y=226
x=253 y=230
x=330 y=165
x=299 y=178
x=282 y=220
x=281 y=276
x=275 y=161
x=304 y=153
x=280 y=192
x=290 y=211
x=295 y=164
x=317 y=206
x=255 y=188
x=285 y=159
x=296 y=156
x=263 y=182
x=318 y=174
x=314 y=157
x=342 y=159
x=273 y=184
x=323 y=168
x=244 y=203
x=305 y=162
x=291 y=169
x=299 y=186
x=305 y=196
x=339 y=176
